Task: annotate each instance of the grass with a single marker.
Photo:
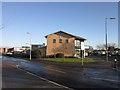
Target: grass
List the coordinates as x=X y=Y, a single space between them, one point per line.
x=69 y=59
x=57 y=59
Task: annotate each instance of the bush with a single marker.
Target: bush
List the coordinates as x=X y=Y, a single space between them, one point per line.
x=25 y=55
x=70 y=57
x=16 y=55
x=59 y=55
x=36 y=54
x=50 y=56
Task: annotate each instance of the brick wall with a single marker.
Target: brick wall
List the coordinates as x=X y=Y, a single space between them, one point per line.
x=67 y=48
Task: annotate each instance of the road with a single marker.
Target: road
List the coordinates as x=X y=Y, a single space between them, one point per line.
x=13 y=77
x=66 y=76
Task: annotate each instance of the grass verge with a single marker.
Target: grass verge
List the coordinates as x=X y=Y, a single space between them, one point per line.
x=69 y=59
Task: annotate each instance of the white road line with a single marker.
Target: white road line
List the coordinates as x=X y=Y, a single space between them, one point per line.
x=56 y=70
x=106 y=79
x=42 y=78
x=46 y=79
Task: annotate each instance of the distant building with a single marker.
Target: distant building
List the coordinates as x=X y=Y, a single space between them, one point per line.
x=37 y=46
x=1 y=50
x=16 y=50
x=116 y=51
x=26 y=49
x=4 y=50
x=101 y=52
x=68 y=44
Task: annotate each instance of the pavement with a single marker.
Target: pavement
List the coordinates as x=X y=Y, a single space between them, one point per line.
x=70 y=75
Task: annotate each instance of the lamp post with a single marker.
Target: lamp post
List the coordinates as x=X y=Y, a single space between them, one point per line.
x=30 y=44
x=106 y=37
x=82 y=50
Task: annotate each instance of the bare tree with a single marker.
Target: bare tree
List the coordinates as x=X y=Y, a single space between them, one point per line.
x=111 y=47
x=101 y=47
x=90 y=49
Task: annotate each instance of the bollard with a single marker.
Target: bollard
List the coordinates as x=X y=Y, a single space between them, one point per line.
x=115 y=63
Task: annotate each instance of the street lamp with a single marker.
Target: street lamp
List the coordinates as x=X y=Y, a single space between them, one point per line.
x=30 y=44
x=106 y=36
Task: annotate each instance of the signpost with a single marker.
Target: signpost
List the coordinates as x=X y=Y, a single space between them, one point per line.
x=82 y=50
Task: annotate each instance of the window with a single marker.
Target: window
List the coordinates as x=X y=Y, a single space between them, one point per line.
x=60 y=37
x=66 y=41
x=54 y=40
x=60 y=41
x=77 y=43
x=39 y=46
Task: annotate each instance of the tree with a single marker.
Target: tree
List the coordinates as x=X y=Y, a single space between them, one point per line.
x=101 y=47
x=90 y=49
x=111 y=47
x=36 y=54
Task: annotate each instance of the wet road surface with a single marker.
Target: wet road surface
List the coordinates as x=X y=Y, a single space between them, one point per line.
x=72 y=77
x=13 y=77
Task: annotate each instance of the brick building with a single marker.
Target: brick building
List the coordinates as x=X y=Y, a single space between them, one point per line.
x=68 y=44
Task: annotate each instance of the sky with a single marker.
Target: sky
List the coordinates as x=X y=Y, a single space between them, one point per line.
x=84 y=19
x=119 y=25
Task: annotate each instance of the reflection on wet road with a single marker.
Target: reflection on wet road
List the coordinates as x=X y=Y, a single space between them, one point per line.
x=73 y=77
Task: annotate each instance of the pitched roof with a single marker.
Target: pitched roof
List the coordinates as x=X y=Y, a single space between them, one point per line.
x=76 y=37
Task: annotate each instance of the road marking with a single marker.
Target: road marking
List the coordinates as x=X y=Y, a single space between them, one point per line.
x=45 y=79
x=56 y=70
x=106 y=79
x=42 y=77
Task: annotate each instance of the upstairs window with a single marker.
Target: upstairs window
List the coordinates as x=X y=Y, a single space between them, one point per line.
x=66 y=41
x=60 y=41
x=60 y=37
x=77 y=43
x=54 y=40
